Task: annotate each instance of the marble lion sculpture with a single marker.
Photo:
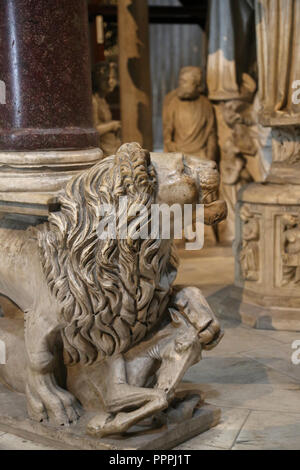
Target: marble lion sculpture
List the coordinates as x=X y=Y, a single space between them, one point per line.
x=106 y=307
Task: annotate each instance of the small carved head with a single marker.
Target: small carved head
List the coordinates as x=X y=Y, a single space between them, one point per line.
x=105 y=78
x=290 y=220
x=190 y=84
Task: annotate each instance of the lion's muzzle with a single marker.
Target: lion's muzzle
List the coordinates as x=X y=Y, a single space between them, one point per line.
x=215 y=212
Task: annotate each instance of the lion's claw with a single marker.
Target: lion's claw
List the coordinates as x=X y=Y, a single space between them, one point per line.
x=48 y=402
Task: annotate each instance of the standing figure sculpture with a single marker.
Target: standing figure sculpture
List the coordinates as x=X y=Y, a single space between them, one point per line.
x=290 y=250
x=249 y=254
x=188 y=117
x=104 y=82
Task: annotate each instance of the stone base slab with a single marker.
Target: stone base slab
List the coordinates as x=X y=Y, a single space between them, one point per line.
x=13 y=419
x=229 y=302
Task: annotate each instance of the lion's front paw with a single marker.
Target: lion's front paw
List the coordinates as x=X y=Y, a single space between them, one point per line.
x=48 y=402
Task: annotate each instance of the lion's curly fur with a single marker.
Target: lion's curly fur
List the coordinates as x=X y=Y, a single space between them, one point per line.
x=112 y=292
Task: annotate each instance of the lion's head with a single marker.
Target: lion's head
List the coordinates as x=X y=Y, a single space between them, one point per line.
x=113 y=292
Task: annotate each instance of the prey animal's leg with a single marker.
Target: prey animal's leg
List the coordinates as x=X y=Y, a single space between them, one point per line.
x=196 y=328
x=125 y=404
x=169 y=353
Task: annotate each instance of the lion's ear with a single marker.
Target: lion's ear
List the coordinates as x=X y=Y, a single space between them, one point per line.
x=177 y=317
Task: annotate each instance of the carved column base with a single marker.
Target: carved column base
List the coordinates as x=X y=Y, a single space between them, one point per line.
x=30 y=181
x=267 y=253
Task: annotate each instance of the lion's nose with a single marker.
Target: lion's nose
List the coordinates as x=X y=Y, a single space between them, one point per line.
x=215 y=212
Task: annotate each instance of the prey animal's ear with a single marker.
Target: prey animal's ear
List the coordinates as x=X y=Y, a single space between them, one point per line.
x=177 y=317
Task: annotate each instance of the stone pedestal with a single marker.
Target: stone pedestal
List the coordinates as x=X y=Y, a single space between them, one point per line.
x=267 y=251
x=46 y=128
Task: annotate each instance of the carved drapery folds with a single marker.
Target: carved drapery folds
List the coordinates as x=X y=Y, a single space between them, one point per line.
x=286 y=145
x=278 y=24
x=232 y=85
x=286 y=155
x=226 y=64
x=134 y=68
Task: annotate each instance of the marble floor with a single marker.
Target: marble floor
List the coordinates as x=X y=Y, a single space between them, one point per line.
x=250 y=375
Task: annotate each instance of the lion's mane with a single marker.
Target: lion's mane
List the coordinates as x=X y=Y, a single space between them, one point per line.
x=110 y=293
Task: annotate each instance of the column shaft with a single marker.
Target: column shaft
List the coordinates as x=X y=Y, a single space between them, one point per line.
x=45 y=66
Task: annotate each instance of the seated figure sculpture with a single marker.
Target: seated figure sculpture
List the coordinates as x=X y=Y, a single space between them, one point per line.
x=106 y=306
x=104 y=82
x=188 y=118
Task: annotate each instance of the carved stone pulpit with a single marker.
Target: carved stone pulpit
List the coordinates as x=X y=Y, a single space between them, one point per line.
x=267 y=262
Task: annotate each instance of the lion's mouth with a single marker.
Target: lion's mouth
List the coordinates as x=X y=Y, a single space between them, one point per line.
x=215 y=212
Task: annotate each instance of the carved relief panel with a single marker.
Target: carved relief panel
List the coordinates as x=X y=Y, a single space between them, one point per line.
x=250 y=244
x=288 y=263
x=268 y=245
x=286 y=145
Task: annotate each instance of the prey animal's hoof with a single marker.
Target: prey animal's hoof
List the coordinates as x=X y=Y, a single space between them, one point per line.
x=101 y=425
